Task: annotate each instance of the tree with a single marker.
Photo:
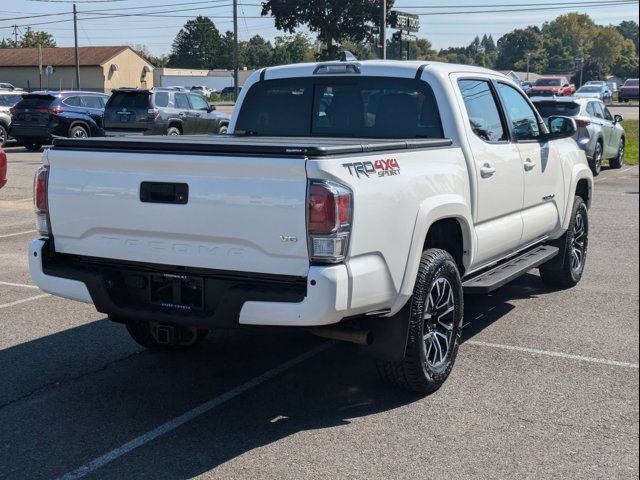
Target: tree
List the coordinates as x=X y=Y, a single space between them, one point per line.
x=567 y=37
x=627 y=63
x=256 y=53
x=331 y=20
x=607 y=46
x=488 y=44
x=593 y=69
x=292 y=49
x=516 y=46
x=30 y=39
x=197 y=45
x=629 y=30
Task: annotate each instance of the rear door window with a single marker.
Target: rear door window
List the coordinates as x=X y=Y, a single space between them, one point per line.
x=73 y=101
x=182 y=101
x=482 y=109
x=9 y=100
x=598 y=110
x=91 y=101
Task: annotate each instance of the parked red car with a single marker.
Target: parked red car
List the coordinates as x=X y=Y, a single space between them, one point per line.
x=629 y=91
x=3 y=168
x=552 y=87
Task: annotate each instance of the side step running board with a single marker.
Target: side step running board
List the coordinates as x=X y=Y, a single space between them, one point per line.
x=505 y=272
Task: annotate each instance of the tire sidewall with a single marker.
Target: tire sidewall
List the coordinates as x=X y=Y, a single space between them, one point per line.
x=442 y=267
x=78 y=128
x=4 y=136
x=578 y=207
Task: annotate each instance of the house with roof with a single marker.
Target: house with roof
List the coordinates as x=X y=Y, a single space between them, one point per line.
x=101 y=68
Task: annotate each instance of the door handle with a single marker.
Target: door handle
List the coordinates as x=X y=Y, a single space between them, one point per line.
x=487 y=170
x=182 y=114
x=529 y=165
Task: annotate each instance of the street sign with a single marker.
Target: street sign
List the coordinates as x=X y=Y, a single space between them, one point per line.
x=48 y=71
x=407 y=22
x=403 y=37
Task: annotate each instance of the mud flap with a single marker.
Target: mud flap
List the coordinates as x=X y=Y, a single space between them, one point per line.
x=390 y=335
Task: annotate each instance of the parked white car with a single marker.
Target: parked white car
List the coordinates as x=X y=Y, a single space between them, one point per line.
x=8 y=99
x=357 y=199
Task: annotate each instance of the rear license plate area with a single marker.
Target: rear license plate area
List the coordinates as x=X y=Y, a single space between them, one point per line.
x=179 y=292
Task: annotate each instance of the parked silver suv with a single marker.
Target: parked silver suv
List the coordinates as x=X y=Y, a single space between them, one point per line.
x=8 y=99
x=600 y=134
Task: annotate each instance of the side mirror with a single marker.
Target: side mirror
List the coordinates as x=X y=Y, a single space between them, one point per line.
x=618 y=118
x=211 y=108
x=561 y=127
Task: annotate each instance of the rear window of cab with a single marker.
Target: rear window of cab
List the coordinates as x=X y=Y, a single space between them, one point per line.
x=365 y=107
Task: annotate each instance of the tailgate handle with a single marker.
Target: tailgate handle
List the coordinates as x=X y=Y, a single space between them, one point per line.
x=161 y=192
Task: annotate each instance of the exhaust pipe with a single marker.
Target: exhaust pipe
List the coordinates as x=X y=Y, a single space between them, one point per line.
x=344 y=334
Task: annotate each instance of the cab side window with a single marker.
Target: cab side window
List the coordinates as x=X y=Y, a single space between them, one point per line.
x=524 y=120
x=482 y=109
x=92 y=102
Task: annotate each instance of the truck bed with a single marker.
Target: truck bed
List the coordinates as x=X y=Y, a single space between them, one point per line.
x=249 y=145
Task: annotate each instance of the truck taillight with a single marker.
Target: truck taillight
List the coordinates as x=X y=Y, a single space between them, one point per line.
x=41 y=202
x=330 y=210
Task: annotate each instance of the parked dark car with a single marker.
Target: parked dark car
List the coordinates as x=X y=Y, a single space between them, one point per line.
x=41 y=116
x=229 y=91
x=629 y=90
x=161 y=112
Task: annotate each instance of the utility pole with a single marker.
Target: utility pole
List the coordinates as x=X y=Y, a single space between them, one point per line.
x=235 y=50
x=383 y=29
x=528 y=63
x=15 y=35
x=40 y=64
x=75 y=40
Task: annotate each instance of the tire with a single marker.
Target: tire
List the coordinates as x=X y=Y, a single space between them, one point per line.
x=565 y=271
x=425 y=366
x=4 y=136
x=596 y=162
x=173 y=131
x=142 y=333
x=223 y=129
x=78 y=131
x=618 y=161
x=32 y=145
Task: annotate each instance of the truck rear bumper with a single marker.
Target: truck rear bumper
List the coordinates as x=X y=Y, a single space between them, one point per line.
x=121 y=290
x=61 y=287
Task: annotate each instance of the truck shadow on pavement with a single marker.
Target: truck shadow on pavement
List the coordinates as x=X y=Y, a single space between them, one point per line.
x=75 y=395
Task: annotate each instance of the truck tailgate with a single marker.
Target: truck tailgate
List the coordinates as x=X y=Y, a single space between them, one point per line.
x=242 y=213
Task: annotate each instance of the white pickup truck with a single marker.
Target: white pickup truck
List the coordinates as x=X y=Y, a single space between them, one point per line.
x=359 y=200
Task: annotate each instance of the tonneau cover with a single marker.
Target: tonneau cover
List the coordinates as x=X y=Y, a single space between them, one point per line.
x=248 y=145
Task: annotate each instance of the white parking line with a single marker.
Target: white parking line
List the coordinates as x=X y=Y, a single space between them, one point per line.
x=23 y=285
x=7 y=235
x=190 y=415
x=24 y=300
x=548 y=353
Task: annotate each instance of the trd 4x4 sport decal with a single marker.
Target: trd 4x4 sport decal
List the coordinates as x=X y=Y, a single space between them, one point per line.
x=380 y=168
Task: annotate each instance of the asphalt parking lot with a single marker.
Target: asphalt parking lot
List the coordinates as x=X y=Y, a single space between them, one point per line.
x=545 y=386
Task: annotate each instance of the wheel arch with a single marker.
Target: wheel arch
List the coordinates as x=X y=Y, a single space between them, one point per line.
x=176 y=123
x=444 y=223
x=79 y=123
x=582 y=186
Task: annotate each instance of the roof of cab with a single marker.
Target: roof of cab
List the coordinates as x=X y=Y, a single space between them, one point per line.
x=373 y=67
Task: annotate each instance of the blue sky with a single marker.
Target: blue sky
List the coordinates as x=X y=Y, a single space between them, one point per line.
x=158 y=33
